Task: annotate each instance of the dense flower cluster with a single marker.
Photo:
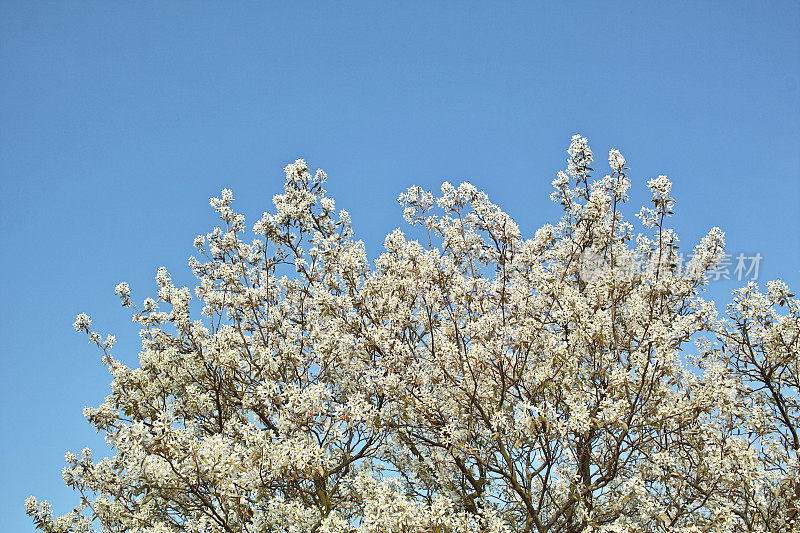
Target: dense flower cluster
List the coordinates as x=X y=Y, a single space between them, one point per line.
x=469 y=379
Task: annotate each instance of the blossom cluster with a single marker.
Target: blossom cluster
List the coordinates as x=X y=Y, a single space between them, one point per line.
x=469 y=379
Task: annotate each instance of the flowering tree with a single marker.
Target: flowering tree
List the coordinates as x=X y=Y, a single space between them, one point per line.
x=470 y=379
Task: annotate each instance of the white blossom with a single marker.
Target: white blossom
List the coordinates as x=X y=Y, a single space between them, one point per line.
x=82 y=322
x=469 y=379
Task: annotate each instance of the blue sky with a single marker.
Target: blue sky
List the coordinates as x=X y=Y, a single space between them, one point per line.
x=119 y=120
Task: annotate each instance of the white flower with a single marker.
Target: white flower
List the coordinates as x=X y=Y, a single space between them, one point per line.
x=82 y=322
x=615 y=160
x=122 y=290
x=660 y=188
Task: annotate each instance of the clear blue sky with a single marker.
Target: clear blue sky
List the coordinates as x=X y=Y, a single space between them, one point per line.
x=119 y=120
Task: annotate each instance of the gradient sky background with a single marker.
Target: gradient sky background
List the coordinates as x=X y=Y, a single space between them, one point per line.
x=119 y=120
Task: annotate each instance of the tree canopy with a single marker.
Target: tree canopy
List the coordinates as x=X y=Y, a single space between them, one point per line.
x=468 y=379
